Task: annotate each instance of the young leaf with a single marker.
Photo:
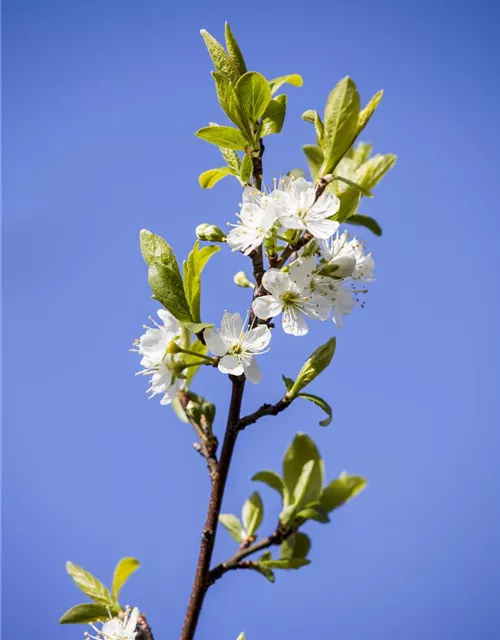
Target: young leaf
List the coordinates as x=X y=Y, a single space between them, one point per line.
x=229 y=102
x=123 y=570
x=355 y=185
x=263 y=570
x=252 y=513
x=178 y=410
x=168 y=289
x=193 y=268
x=301 y=451
x=246 y=169
x=341 y=122
x=225 y=137
x=232 y=159
x=341 y=490
x=155 y=249
x=365 y=221
x=253 y=94
x=371 y=172
x=368 y=111
x=242 y=635
x=314 y=117
x=233 y=525
x=322 y=404
x=290 y=563
x=234 y=51
x=314 y=512
x=272 y=479
x=222 y=62
x=294 y=79
x=91 y=586
x=84 y=614
x=211 y=177
x=295 y=546
x=274 y=116
x=314 y=157
x=317 y=362
x=309 y=484
x=349 y=202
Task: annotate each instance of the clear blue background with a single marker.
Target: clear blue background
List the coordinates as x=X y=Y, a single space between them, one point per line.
x=101 y=100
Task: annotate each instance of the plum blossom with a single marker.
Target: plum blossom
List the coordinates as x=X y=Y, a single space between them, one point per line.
x=237 y=348
x=257 y=217
x=298 y=208
x=349 y=257
x=290 y=293
x=157 y=362
x=118 y=628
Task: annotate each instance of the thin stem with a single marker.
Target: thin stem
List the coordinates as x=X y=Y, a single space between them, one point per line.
x=264 y=410
x=235 y=562
x=201 y=581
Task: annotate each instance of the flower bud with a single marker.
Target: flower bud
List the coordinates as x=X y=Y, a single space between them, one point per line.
x=344 y=266
x=210 y=233
x=208 y=410
x=241 y=280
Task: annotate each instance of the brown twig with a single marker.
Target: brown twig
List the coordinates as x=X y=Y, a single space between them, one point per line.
x=236 y=561
x=207 y=445
x=264 y=410
x=143 y=630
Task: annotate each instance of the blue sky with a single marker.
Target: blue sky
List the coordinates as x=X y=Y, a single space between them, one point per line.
x=101 y=100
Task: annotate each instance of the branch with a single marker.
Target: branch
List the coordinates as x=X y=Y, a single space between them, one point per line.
x=219 y=478
x=236 y=561
x=144 y=631
x=264 y=410
x=291 y=248
x=207 y=447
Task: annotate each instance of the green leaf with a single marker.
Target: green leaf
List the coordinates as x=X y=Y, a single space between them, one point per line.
x=234 y=51
x=179 y=411
x=360 y=153
x=155 y=249
x=354 y=185
x=233 y=525
x=290 y=563
x=288 y=382
x=84 y=613
x=294 y=79
x=274 y=116
x=365 y=221
x=272 y=479
x=371 y=172
x=368 y=111
x=314 y=157
x=349 y=202
x=222 y=61
x=314 y=512
x=252 y=513
x=253 y=94
x=211 y=177
x=263 y=570
x=232 y=159
x=341 y=122
x=197 y=347
x=341 y=490
x=193 y=268
x=197 y=327
x=302 y=451
x=230 y=103
x=246 y=169
x=226 y=137
x=168 y=289
x=314 y=117
x=295 y=546
x=322 y=404
x=91 y=586
x=123 y=570
x=317 y=362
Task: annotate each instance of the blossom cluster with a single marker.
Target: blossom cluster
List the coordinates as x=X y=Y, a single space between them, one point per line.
x=120 y=628
x=320 y=281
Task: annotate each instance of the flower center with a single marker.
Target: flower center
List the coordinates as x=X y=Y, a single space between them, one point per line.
x=301 y=213
x=289 y=297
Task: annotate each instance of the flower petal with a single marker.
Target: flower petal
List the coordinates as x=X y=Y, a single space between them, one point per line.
x=294 y=322
x=317 y=307
x=276 y=281
x=267 y=307
x=231 y=327
x=257 y=339
x=215 y=343
x=230 y=364
x=321 y=228
x=252 y=371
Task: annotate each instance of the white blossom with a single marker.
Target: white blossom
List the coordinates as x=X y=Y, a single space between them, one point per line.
x=257 y=217
x=349 y=256
x=291 y=294
x=298 y=208
x=156 y=361
x=118 y=628
x=237 y=348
